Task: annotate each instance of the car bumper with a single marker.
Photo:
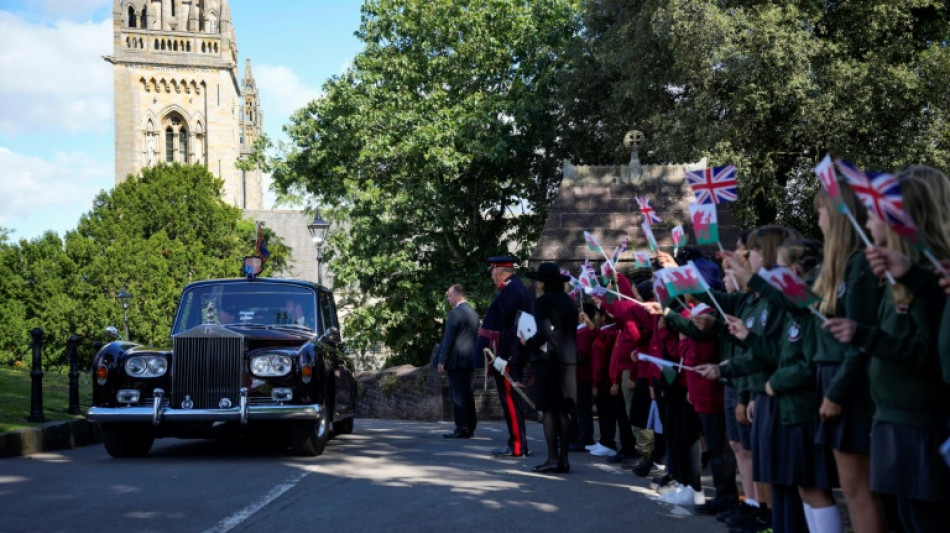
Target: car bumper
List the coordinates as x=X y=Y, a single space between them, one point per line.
x=159 y=413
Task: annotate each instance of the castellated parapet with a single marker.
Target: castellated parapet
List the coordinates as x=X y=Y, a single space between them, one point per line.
x=177 y=94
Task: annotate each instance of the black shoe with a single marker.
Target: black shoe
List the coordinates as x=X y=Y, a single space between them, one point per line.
x=577 y=447
x=637 y=463
x=563 y=467
x=508 y=452
x=458 y=434
x=547 y=466
x=618 y=457
x=749 y=517
x=715 y=506
x=663 y=480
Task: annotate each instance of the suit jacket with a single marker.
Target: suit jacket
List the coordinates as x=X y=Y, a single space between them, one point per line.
x=457 y=350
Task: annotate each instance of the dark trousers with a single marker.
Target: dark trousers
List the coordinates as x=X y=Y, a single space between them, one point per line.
x=510 y=406
x=628 y=443
x=722 y=460
x=463 y=399
x=585 y=416
x=612 y=413
x=919 y=515
x=681 y=428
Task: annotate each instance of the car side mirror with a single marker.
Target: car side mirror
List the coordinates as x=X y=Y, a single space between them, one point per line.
x=331 y=334
x=112 y=332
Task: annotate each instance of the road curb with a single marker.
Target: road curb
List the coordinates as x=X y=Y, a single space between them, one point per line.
x=48 y=437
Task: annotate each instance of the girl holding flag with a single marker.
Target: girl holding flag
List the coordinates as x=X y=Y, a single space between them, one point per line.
x=848 y=289
x=912 y=400
x=799 y=461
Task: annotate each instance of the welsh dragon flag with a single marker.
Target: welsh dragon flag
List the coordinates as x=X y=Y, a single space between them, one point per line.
x=660 y=291
x=793 y=287
x=705 y=223
x=641 y=259
x=679 y=236
x=592 y=243
x=685 y=280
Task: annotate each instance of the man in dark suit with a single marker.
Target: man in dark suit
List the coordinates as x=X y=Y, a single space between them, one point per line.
x=457 y=358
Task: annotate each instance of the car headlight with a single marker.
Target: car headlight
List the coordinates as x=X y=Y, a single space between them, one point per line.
x=146 y=366
x=271 y=365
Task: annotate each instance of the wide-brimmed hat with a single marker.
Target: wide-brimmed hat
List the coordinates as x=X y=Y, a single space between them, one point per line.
x=548 y=273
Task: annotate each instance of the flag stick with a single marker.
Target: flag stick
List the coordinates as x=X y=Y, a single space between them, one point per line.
x=864 y=237
x=715 y=302
x=936 y=264
x=818 y=314
x=624 y=296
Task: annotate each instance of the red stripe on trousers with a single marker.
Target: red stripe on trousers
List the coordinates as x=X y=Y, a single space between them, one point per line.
x=513 y=416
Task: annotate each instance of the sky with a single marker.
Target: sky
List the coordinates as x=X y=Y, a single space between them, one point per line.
x=56 y=100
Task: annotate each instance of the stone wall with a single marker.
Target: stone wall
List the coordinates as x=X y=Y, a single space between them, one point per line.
x=602 y=201
x=420 y=393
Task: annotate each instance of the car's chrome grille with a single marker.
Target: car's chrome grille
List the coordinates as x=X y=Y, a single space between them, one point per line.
x=206 y=369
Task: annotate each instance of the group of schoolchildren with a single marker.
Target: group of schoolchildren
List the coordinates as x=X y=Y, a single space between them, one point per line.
x=850 y=392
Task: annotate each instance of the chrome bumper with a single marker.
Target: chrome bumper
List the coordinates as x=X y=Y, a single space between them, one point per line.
x=243 y=413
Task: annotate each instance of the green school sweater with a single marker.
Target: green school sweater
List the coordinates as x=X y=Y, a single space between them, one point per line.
x=923 y=283
x=858 y=299
x=904 y=371
x=733 y=303
x=758 y=357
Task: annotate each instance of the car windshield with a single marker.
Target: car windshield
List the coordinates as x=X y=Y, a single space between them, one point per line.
x=251 y=303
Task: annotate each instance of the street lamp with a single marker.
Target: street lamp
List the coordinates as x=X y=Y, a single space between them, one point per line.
x=124 y=298
x=318 y=232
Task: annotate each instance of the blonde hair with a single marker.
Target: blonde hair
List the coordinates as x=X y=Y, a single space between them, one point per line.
x=841 y=241
x=926 y=195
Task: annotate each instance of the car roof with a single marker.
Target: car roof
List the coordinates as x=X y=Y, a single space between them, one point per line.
x=265 y=281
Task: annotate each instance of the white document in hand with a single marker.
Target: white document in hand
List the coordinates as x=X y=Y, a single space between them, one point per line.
x=527 y=326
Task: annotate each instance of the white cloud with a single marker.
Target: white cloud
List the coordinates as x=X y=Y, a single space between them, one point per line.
x=41 y=194
x=282 y=93
x=53 y=78
x=72 y=9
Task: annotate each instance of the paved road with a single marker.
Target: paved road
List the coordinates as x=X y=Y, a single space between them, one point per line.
x=387 y=476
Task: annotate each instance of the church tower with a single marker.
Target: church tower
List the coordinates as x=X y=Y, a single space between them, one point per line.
x=177 y=95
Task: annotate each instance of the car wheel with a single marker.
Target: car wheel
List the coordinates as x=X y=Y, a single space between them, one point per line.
x=127 y=441
x=343 y=427
x=310 y=438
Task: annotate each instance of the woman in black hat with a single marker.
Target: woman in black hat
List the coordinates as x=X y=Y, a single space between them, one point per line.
x=554 y=354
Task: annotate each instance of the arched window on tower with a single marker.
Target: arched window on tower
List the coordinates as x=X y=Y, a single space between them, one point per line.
x=132 y=18
x=173 y=8
x=169 y=145
x=144 y=18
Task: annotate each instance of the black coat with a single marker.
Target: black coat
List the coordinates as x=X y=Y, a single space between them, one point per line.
x=556 y=315
x=457 y=350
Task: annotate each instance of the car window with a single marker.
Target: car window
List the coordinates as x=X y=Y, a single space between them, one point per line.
x=328 y=312
x=247 y=303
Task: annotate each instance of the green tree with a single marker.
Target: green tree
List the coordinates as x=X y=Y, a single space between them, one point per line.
x=152 y=234
x=437 y=148
x=768 y=86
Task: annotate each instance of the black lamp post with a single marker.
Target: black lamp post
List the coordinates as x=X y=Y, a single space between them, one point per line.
x=318 y=232
x=124 y=298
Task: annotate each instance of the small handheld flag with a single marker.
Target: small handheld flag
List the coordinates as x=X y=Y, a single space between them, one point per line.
x=648 y=232
x=705 y=223
x=679 y=238
x=618 y=251
x=793 y=287
x=649 y=214
x=660 y=291
x=713 y=185
x=825 y=171
x=641 y=259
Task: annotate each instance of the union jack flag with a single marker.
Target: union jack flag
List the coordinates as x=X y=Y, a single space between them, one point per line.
x=648 y=212
x=880 y=192
x=713 y=185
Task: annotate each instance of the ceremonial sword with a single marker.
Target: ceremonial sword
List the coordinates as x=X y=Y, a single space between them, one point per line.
x=515 y=386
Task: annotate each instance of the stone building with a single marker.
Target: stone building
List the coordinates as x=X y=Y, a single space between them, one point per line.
x=177 y=93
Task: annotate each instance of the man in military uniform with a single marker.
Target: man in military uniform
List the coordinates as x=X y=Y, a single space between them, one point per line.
x=499 y=333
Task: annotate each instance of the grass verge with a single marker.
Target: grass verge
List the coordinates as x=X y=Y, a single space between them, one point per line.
x=15 y=387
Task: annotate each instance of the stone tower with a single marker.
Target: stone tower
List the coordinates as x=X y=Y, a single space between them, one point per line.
x=177 y=95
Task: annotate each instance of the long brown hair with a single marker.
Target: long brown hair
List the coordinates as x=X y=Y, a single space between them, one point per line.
x=926 y=196
x=841 y=241
x=767 y=240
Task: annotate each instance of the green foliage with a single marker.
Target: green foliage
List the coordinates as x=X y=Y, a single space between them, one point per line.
x=768 y=86
x=438 y=148
x=152 y=234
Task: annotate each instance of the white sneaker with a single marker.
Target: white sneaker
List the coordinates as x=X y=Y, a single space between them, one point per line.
x=600 y=450
x=682 y=495
x=590 y=447
x=699 y=498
